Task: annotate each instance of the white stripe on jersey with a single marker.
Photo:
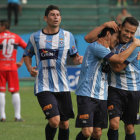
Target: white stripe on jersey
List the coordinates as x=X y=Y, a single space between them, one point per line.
x=113 y=79
x=42 y=44
x=55 y=43
x=95 y=79
x=67 y=45
x=134 y=82
x=123 y=81
x=102 y=87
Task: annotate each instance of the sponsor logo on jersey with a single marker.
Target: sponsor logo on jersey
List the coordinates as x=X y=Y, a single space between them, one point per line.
x=49 y=41
x=48 y=54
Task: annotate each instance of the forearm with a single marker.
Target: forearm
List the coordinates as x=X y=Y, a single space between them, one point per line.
x=117 y=67
x=93 y=35
x=28 y=62
x=125 y=54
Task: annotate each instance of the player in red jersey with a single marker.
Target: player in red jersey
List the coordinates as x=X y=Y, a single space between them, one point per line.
x=9 y=43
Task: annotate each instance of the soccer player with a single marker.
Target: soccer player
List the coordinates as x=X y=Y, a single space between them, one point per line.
x=51 y=46
x=92 y=88
x=9 y=43
x=124 y=89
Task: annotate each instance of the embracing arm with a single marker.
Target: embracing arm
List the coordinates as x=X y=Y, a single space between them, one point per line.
x=93 y=35
x=117 y=60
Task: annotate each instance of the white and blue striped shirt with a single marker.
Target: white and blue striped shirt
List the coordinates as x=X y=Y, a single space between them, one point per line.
x=92 y=81
x=51 y=54
x=129 y=78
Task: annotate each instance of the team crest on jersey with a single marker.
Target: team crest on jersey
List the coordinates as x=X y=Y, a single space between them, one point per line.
x=123 y=48
x=61 y=42
x=48 y=54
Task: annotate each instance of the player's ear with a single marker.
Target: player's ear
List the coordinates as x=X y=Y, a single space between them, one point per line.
x=120 y=27
x=45 y=18
x=108 y=34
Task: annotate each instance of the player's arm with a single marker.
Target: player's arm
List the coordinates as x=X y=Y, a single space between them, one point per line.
x=77 y=59
x=28 y=63
x=19 y=64
x=22 y=43
x=118 y=62
x=93 y=35
x=28 y=54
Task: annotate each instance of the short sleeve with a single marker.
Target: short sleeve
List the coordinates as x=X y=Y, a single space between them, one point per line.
x=73 y=48
x=100 y=51
x=29 y=51
x=22 y=43
x=133 y=55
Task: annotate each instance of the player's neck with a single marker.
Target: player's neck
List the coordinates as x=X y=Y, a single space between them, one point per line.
x=103 y=42
x=49 y=30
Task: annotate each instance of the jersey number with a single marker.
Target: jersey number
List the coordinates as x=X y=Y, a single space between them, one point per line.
x=8 y=47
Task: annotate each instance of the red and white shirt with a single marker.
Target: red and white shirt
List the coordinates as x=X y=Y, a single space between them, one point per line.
x=9 y=43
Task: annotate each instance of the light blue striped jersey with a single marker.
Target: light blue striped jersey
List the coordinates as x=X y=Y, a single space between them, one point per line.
x=92 y=81
x=51 y=54
x=129 y=78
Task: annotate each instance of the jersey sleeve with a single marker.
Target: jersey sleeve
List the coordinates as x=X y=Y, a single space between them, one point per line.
x=29 y=50
x=22 y=43
x=133 y=55
x=73 y=48
x=100 y=51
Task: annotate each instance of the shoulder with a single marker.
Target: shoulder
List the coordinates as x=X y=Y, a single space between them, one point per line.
x=65 y=32
x=35 y=34
x=96 y=45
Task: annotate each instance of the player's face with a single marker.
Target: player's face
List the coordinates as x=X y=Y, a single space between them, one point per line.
x=2 y=28
x=114 y=40
x=127 y=32
x=54 y=18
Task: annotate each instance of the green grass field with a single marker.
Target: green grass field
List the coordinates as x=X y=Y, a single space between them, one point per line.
x=33 y=127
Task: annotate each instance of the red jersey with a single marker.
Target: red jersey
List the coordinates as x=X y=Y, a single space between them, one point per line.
x=9 y=43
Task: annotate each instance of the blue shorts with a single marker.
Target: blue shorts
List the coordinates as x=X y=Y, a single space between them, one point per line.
x=91 y=112
x=54 y=104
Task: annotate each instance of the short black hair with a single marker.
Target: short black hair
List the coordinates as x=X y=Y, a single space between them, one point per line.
x=50 y=8
x=130 y=20
x=105 y=30
x=5 y=23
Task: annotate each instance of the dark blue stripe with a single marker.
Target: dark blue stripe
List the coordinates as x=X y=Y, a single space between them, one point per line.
x=126 y=62
x=109 y=55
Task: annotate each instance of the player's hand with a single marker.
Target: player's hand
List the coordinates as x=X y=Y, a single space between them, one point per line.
x=19 y=64
x=138 y=56
x=136 y=42
x=112 y=24
x=33 y=71
x=79 y=58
